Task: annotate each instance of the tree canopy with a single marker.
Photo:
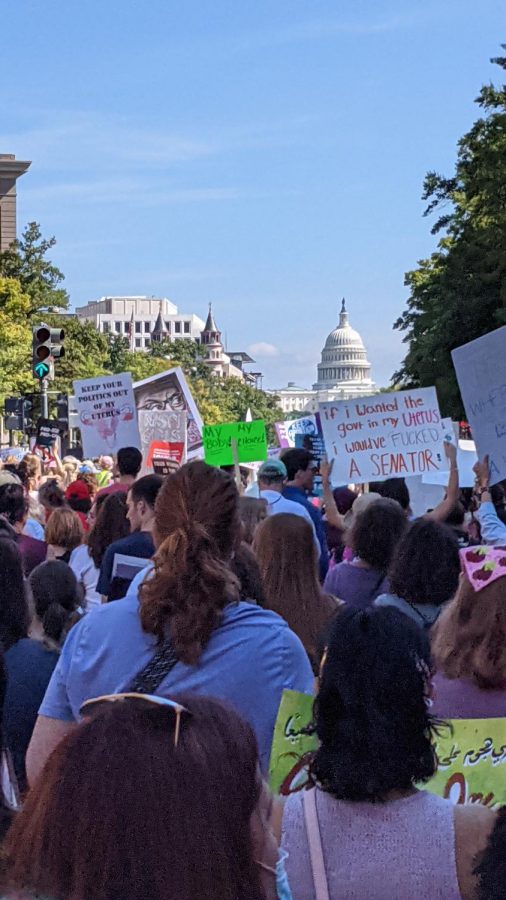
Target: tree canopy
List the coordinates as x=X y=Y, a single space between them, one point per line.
x=25 y=260
x=459 y=292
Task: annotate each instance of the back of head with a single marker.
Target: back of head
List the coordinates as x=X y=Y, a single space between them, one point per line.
x=469 y=638
x=13 y=503
x=393 y=489
x=111 y=524
x=252 y=512
x=51 y=495
x=14 y=616
x=296 y=460
x=147 y=489
x=129 y=461
x=426 y=566
x=376 y=533
x=64 y=529
x=188 y=808
x=55 y=595
x=245 y=566
x=491 y=868
x=371 y=711
x=197 y=529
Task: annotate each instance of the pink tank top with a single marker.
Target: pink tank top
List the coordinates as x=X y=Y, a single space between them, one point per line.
x=375 y=851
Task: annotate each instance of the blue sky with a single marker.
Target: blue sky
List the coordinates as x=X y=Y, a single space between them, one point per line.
x=267 y=156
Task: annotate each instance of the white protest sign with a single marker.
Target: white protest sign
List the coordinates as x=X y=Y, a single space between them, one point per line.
x=481 y=374
x=106 y=414
x=391 y=435
x=466 y=458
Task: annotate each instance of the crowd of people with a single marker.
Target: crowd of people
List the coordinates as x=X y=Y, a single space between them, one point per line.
x=148 y=629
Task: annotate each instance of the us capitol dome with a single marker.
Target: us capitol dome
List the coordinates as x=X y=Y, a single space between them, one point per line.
x=343 y=373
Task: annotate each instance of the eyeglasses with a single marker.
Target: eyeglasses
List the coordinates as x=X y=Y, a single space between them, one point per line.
x=148 y=701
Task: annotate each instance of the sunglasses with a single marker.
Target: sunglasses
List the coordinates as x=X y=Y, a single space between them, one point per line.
x=143 y=701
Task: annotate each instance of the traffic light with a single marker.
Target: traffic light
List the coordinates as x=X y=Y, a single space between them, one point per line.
x=47 y=345
x=17 y=413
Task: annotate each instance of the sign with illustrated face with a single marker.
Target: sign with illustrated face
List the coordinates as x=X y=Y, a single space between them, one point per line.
x=391 y=435
x=106 y=414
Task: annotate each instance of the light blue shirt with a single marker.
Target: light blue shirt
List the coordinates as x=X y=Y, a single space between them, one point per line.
x=493 y=531
x=249 y=660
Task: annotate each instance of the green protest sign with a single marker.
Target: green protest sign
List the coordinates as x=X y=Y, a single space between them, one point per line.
x=471 y=755
x=250 y=443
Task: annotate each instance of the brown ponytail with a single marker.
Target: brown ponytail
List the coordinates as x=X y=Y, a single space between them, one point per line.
x=196 y=530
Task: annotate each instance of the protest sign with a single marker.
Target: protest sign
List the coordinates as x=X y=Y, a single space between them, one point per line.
x=107 y=416
x=165 y=426
x=165 y=457
x=307 y=434
x=48 y=431
x=168 y=392
x=472 y=762
x=384 y=436
x=291 y=746
x=466 y=458
x=248 y=438
x=471 y=755
x=481 y=374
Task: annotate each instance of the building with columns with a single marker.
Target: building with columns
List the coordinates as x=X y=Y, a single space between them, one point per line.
x=10 y=170
x=343 y=373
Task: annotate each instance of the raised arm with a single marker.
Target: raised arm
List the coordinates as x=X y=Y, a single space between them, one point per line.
x=332 y=513
x=443 y=509
x=493 y=531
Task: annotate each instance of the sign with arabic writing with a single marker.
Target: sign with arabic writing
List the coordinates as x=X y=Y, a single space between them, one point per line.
x=292 y=746
x=472 y=762
x=471 y=755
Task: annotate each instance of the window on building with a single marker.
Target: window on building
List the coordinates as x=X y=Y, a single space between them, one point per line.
x=168 y=326
x=126 y=327
x=117 y=327
x=138 y=342
x=187 y=328
x=138 y=327
x=147 y=327
x=147 y=342
x=106 y=327
x=177 y=327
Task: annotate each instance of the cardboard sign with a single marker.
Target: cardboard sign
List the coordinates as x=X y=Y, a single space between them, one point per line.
x=249 y=437
x=384 y=436
x=481 y=374
x=305 y=433
x=107 y=414
x=48 y=432
x=471 y=755
x=168 y=393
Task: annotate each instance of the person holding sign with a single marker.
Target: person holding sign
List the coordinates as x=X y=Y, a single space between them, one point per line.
x=272 y=478
x=366 y=825
x=493 y=530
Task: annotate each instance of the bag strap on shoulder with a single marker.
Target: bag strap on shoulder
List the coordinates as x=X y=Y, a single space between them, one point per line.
x=149 y=679
x=315 y=845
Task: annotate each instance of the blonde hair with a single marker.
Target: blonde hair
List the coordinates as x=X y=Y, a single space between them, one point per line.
x=64 y=529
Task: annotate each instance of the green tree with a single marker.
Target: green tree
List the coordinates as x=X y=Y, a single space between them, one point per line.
x=86 y=351
x=25 y=260
x=15 y=340
x=459 y=292
x=182 y=352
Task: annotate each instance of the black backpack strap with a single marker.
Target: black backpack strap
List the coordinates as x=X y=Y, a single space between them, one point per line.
x=149 y=679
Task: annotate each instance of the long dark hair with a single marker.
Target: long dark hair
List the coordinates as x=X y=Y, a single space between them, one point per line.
x=111 y=524
x=286 y=552
x=56 y=597
x=14 y=614
x=197 y=530
x=166 y=822
x=371 y=712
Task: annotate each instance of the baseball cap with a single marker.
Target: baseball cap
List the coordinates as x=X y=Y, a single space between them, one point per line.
x=273 y=468
x=78 y=490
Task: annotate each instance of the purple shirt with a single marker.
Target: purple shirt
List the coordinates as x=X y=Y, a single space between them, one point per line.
x=461 y=698
x=355 y=585
x=32 y=552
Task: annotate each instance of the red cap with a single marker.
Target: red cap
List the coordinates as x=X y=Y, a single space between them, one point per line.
x=78 y=490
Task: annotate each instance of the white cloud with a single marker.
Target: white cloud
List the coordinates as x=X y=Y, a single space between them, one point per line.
x=263 y=350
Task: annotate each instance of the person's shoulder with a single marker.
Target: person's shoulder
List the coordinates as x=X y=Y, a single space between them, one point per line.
x=252 y=615
x=135 y=544
x=28 y=649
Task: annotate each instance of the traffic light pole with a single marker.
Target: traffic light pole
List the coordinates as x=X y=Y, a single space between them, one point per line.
x=44 y=399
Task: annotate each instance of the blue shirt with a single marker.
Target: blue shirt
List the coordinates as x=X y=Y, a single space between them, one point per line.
x=493 y=531
x=139 y=543
x=250 y=659
x=298 y=495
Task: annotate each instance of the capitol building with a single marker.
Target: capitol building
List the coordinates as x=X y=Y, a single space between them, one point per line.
x=343 y=373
